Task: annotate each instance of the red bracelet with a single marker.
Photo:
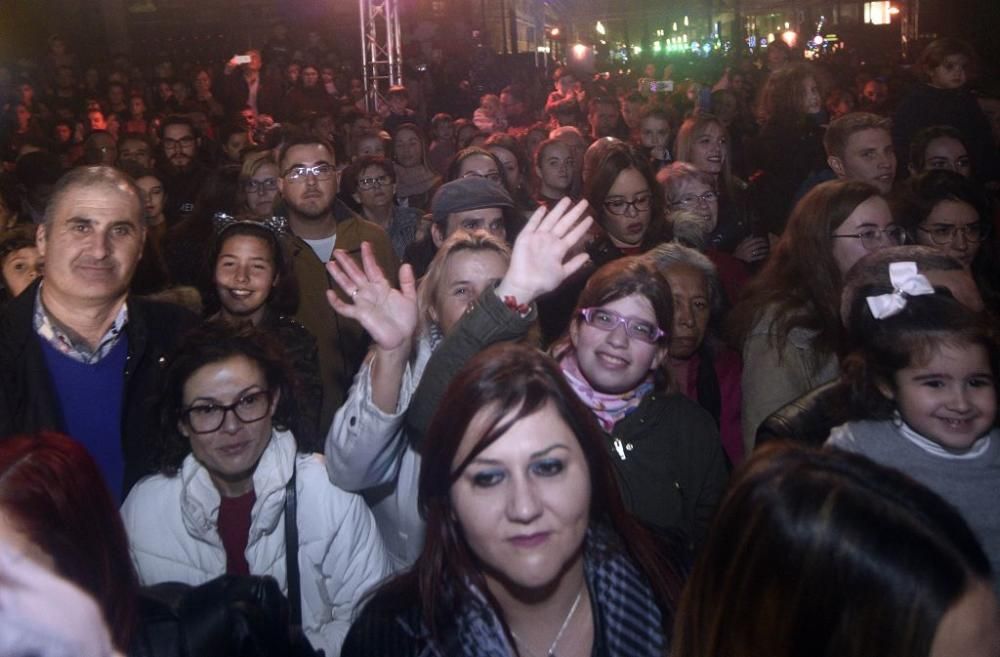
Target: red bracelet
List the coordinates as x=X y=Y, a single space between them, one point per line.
x=521 y=308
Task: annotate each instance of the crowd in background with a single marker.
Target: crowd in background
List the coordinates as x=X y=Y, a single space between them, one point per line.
x=506 y=355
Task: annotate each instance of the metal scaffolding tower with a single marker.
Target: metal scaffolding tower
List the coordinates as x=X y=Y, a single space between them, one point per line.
x=380 y=53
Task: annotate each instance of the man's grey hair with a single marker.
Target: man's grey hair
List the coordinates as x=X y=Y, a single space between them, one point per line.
x=107 y=177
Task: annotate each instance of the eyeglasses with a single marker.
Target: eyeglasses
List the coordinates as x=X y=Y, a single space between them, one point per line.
x=872 y=238
x=261 y=186
x=377 y=181
x=206 y=418
x=696 y=199
x=322 y=172
x=178 y=143
x=609 y=320
x=640 y=203
x=944 y=234
x=492 y=176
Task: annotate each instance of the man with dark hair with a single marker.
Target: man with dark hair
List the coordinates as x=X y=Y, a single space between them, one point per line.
x=78 y=354
x=320 y=223
x=182 y=173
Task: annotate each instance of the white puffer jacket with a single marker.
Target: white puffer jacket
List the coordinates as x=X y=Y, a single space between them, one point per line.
x=369 y=452
x=172 y=526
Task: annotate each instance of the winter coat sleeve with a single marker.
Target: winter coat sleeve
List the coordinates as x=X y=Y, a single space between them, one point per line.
x=365 y=445
x=771 y=378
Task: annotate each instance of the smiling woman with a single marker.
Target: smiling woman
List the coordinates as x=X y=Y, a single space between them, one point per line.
x=528 y=549
x=230 y=464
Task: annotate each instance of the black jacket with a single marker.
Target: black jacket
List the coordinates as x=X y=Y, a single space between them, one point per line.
x=671 y=466
x=28 y=400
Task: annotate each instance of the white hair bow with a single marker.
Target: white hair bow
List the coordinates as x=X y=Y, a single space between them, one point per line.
x=906 y=282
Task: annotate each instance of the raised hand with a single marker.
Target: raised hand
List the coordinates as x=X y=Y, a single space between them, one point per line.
x=389 y=315
x=536 y=264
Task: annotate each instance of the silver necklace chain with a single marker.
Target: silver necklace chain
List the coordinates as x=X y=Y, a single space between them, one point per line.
x=552 y=648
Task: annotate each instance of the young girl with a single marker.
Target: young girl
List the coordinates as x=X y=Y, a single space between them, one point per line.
x=666 y=448
x=251 y=282
x=923 y=389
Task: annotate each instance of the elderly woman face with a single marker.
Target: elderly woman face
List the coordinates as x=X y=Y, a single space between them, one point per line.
x=697 y=197
x=226 y=414
x=692 y=309
x=523 y=503
x=375 y=187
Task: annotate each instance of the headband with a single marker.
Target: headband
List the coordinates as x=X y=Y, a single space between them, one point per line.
x=222 y=221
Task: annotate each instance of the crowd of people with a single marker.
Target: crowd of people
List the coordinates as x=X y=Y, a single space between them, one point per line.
x=591 y=368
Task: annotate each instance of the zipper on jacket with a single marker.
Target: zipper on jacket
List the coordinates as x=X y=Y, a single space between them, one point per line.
x=619 y=448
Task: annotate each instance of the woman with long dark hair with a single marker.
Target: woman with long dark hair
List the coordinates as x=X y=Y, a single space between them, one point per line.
x=626 y=201
x=528 y=550
x=788 y=322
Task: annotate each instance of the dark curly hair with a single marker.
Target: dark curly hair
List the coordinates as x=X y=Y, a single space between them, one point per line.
x=213 y=342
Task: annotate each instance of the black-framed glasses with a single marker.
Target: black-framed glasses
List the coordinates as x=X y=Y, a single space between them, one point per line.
x=323 y=171
x=206 y=418
x=640 y=203
x=374 y=181
x=873 y=238
x=609 y=320
x=492 y=176
x=944 y=234
x=183 y=142
x=696 y=199
x=261 y=186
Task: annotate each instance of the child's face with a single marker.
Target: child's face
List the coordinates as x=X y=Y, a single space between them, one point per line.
x=20 y=268
x=950 y=398
x=950 y=74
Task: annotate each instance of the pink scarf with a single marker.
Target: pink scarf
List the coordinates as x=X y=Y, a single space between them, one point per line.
x=609 y=408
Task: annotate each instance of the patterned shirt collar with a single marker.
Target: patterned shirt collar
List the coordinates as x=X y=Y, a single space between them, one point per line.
x=69 y=342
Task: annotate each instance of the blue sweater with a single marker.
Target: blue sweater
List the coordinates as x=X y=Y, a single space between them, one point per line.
x=90 y=398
